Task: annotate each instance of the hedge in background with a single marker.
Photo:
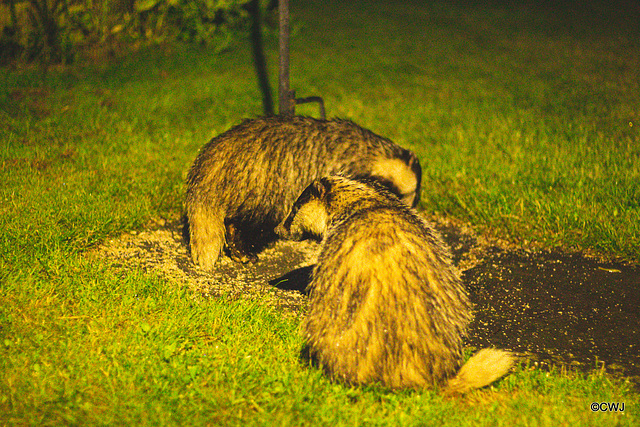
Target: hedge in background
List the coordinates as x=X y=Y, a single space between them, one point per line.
x=53 y=31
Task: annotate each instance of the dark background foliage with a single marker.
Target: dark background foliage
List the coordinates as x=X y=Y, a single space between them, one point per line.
x=56 y=31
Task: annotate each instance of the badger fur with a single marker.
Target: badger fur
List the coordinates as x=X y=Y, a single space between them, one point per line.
x=386 y=304
x=243 y=181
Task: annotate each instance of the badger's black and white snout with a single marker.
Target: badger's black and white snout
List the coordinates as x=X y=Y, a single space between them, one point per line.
x=308 y=216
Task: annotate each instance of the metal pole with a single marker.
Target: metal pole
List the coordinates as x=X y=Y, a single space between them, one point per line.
x=286 y=97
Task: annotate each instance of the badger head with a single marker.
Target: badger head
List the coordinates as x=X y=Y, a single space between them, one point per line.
x=309 y=216
x=401 y=175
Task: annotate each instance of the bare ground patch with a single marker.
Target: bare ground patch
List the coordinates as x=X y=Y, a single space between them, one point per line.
x=557 y=308
x=164 y=250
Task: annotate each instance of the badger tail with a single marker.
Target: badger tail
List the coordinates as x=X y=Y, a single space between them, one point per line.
x=481 y=369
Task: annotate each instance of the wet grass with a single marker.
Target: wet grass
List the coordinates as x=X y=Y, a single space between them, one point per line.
x=526 y=123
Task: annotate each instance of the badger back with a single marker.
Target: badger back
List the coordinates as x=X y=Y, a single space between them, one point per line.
x=385 y=302
x=267 y=162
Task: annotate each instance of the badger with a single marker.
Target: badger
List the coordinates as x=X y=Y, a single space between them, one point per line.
x=243 y=181
x=386 y=304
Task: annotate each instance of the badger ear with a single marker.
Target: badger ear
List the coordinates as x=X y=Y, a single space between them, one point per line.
x=321 y=188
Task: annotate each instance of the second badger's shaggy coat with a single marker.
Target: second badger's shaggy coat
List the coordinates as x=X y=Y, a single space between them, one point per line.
x=243 y=182
x=386 y=305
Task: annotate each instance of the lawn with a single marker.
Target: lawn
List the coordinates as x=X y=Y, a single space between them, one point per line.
x=525 y=119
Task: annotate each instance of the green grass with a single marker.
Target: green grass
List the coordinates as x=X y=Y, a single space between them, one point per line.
x=526 y=122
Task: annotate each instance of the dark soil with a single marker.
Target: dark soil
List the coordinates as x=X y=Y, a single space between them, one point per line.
x=555 y=308
x=563 y=308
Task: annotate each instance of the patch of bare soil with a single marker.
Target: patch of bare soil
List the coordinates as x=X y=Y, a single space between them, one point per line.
x=164 y=251
x=562 y=308
x=556 y=308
